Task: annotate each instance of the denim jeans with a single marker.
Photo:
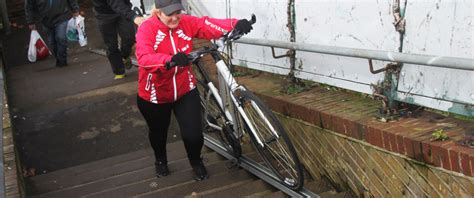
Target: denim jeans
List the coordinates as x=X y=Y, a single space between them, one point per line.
x=57 y=41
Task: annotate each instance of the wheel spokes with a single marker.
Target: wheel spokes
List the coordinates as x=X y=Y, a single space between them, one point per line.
x=280 y=155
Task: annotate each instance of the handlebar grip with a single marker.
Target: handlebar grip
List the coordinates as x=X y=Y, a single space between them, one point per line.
x=170 y=64
x=253 y=19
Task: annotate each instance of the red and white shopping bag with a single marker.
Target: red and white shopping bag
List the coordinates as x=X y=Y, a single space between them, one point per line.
x=38 y=49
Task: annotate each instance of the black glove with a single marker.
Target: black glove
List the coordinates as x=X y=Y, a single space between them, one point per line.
x=243 y=26
x=181 y=59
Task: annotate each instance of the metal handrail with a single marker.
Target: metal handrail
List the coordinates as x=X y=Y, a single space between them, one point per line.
x=429 y=60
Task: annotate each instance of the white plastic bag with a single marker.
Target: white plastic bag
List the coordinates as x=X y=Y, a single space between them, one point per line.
x=37 y=49
x=81 y=30
x=71 y=30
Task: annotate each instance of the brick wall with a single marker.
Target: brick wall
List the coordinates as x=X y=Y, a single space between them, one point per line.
x=338 y=137
x=369 y=170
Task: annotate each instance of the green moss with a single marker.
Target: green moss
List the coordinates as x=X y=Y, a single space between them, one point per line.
x=297 y=87
x=452 y=115
x=439 y=135
x=239 y=71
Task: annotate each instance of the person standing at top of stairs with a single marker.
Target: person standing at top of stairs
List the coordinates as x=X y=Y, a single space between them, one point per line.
x=116 y=18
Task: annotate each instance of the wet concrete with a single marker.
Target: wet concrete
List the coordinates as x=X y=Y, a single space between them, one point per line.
x=68 y=116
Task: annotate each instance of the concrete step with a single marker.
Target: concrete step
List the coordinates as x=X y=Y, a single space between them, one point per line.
x=259 y=194
x=100 y=170
x=238 y=189
x=192 y=187
x=106 y=163
x=179 y=169
x=277 y=194
x=210 y=193
x=152 y=183
x=133 y=175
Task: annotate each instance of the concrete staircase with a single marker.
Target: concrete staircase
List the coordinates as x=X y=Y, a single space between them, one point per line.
x=132 y=174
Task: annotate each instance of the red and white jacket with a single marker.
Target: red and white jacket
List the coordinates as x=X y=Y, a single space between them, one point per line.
x=156 y=44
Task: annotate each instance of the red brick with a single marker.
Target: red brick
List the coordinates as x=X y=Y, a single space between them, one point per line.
x=361 y=130
x=374 y=136
x=355 y=129
x=465 y=164
x=386 y=140
x=417 y=149
x=440 y=155
x=315 y=117
x=471 y=161
x=393 y=142
x=370 y=137
x=455 y=134
x=299 y=112
x=454 y=160
x=401 y=145
x=348 y=125
x=426 y=150
x=408 y=147
x=336 y=125
x=351 y=128
x=273 y=103
x=326 y=121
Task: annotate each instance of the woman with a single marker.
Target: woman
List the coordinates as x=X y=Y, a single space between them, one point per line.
x=167 y=36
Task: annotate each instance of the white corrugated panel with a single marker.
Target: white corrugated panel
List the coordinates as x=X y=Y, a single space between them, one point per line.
x=444 y=28
x=271 y=24
x=354 y=24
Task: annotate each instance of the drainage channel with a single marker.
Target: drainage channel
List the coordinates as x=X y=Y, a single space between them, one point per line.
x=257 y=169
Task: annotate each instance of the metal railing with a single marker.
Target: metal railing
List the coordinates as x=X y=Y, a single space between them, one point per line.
x=429 y=60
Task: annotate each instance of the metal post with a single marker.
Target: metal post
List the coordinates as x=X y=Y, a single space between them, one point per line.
x=6 y=21
x=435 y=61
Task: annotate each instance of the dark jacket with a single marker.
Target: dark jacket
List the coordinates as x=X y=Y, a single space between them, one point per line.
x=108 y=9
x=51 y=12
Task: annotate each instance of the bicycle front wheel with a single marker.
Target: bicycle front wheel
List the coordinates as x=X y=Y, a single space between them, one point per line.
x=277 y=150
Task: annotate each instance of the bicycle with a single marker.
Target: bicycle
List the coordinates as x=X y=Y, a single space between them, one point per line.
x=233 y=110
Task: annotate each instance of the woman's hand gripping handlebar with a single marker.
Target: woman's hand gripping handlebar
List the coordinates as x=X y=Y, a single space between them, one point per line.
x=242 y=27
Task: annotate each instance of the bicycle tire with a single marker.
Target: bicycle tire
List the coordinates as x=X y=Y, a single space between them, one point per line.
x=278 y=153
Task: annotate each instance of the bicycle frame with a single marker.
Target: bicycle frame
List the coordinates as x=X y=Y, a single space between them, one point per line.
x=225 y=92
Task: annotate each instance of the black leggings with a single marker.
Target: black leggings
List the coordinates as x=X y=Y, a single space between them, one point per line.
x=187 y=111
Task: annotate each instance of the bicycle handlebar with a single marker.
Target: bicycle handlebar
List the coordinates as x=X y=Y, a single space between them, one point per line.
x=228 y=37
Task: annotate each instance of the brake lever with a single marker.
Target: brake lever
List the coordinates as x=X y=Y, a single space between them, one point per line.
x=229 y=37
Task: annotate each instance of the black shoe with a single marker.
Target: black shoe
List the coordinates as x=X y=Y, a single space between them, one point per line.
x=200 y=172
x=161 y=169
x=61 y=64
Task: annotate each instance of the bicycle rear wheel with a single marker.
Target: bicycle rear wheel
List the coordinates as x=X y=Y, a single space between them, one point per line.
x=277 y=151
